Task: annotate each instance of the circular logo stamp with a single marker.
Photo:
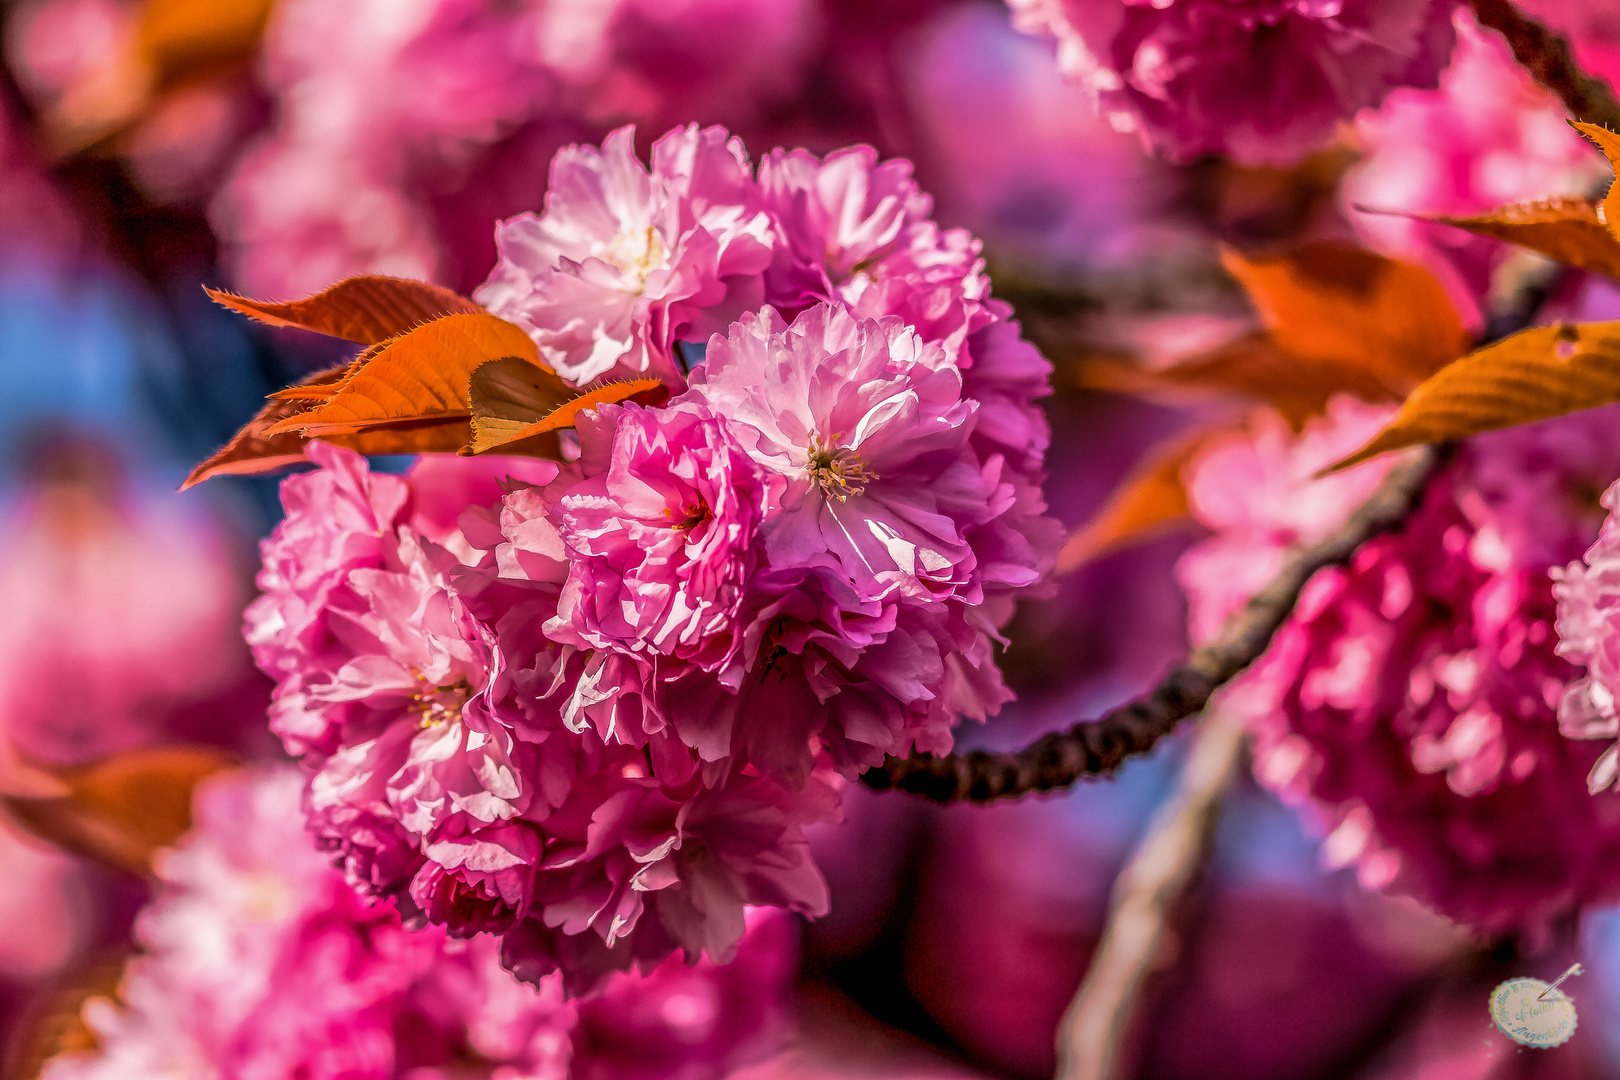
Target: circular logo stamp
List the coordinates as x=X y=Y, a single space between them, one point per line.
x=1532 y=1013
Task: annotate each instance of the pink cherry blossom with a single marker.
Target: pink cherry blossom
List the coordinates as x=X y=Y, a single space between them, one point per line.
x=591 y=707
x=1488 y=136
x=624 y=262
x=1264 y=81
x=1409 y=705
x=867 y=424
x=427 y=710
x=259 y=960
x=858 y=230
x=661 y=544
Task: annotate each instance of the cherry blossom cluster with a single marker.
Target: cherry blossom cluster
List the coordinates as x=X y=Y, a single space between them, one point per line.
x=1588 y=614
x=590 y=708
x=259 y=960
x=1410 y=705
x=1263 y=81
x=1488 y=136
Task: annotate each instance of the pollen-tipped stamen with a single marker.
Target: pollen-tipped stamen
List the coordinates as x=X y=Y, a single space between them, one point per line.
x=837 y=470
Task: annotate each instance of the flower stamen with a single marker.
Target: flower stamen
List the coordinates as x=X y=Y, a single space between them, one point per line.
x=839 y=471
x=693 y=515
x=440 y=704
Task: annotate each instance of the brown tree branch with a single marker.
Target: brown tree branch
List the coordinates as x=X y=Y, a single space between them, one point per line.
x=1098 y=747
x=1545 y=53
x=1093 y=1038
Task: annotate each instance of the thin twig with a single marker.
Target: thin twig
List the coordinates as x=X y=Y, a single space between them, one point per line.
x=1546 y=55
x=1092 y=1039
x=1098 y=747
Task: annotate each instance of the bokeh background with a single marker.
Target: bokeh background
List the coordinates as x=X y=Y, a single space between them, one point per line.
x=150 y=148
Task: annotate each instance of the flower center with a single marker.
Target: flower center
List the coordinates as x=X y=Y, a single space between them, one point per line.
x=836 y=470
x=637 y=253
x=692 y=515
x=440 y=704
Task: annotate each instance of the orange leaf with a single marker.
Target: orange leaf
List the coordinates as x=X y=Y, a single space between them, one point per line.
x=254 y=451
x=185 y=38
x=1566 y=229
x=367 y=310
x=1148 y=502
x=1340 y=306
x=1251 y=367
x=122 y=809
x=508 y=410
x=1608 y=142
x=1536 y=374
x=420 y=377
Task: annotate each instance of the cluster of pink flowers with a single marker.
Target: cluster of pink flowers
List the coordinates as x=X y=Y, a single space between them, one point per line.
x=1588 y=615
x=593 y=712
x=1410 y=704
x=1263 y=81
x=400 y=135
x=259 y=960
x=1487 y=137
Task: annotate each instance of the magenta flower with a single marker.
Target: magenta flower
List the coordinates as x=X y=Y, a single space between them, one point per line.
x=1488 y=136
x=591 y=708
x=625 y=261
x=259 y=960
x=1263 y=81
x=1258 y=489
x=855 y=230
x=637 y=865
x=1588 y=609
x=393 y=689
x=483 y=883
x=1409 y=706
x=339 y=518
x=661 y=544
x=867 y=425
x=440 y=771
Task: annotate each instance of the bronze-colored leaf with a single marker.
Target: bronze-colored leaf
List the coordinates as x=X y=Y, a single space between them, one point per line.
x=1147 y=503
x=366 y=310
x=122 y=809
x=184 y=39
x=253 y=449
x=1608 y=142
x=420 y=377
x=1252 y=368
x=1337 y=319
x=1536 y=374
x=1346 y=308
x=508 y=395
x=510 y=412
x=1566 y=229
